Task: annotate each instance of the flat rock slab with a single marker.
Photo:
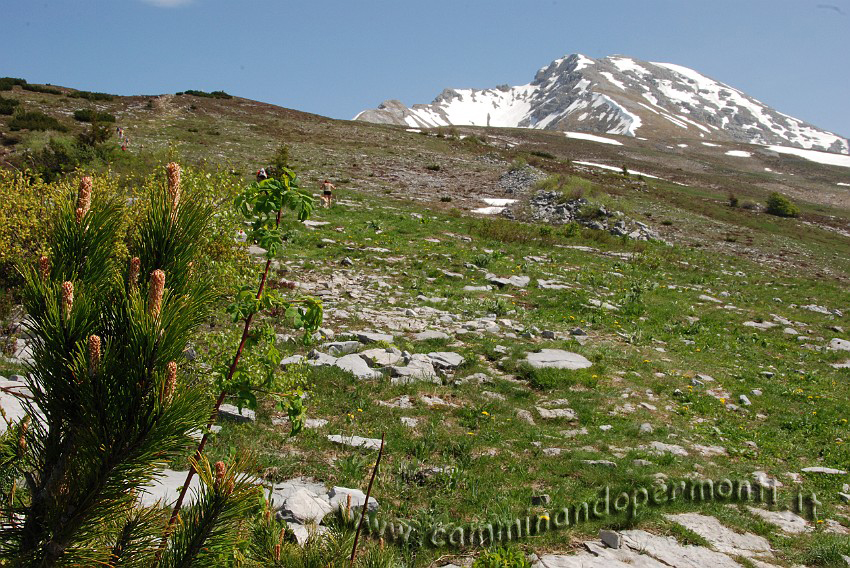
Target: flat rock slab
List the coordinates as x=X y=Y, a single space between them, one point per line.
x=844 y=365
x=552 y=285
x=418 y=368
x=352 y=363
x=640 y=549
x=356 y=441
x=445 y=359
x=232 y=412
x=400 y=402
x=722 y=538
x=373 y=337
x=557 y=359
x=381 y=357
x=824 y=470
x=661 y=448
x=670 y=553
x=430 y=334
x=785 y=520
x=565 y=413
x=515 y=280
x=765 y=325
x=839 y=345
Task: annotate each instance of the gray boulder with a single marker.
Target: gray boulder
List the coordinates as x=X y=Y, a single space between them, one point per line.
x=557 y=359
x=338 y=498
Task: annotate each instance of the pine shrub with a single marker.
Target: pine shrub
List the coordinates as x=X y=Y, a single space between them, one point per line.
x=110 y=404
x=8 y=106
x=91 y=115
x=781 y=206
x=35 y=120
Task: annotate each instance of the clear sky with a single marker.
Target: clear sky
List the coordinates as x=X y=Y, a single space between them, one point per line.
x=338 y=57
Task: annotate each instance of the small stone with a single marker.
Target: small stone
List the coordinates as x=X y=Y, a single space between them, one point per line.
x=642 y=463
x=646 y=428
x=839 y=345
x=409 y=421
x=543 y=499
x=662 y=448
x=767 y=374
x=744 y=400
x=492 y=395
x=347 y=261
x=525 y=416
x=611 y=539
x=756 y=392
x=603 y=463
x=372 y=337
x=549 y=334
x=605 y=427
x=340 y=348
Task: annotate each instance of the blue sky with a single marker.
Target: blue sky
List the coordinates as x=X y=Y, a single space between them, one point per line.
x=337 y=57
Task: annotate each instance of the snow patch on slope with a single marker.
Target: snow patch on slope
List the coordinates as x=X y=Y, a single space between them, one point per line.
x=815 y=156
x=593 y=138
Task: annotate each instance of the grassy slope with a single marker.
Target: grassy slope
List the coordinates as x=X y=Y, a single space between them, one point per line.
x=649 y=345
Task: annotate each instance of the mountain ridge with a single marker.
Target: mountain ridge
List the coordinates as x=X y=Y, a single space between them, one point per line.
x=616 y=94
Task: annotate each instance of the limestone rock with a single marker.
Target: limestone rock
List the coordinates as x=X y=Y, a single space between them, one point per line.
x=557 y=359
x=445 y=360
x=303 y=506
x=356 y=441
x=338 y=497
x=355 y=365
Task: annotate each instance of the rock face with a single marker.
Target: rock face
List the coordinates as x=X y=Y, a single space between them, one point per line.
x=615 y=95
x=557 y=359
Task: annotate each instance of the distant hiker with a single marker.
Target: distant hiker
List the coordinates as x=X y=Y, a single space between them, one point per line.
x=261 y=174
x=327 y=193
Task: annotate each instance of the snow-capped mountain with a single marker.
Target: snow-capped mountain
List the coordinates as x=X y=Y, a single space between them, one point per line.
x=616 y=95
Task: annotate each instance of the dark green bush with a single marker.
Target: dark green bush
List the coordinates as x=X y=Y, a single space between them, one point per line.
x=6 y=83
x=781 y=206
x=90 y=96
x=7 y=106
x=212 y=95
x=433 y=167
x=546 y=155
x=35 y=120
x=91 y=115
x=41 y=89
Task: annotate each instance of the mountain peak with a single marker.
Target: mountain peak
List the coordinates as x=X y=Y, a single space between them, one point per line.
x=617 y=94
